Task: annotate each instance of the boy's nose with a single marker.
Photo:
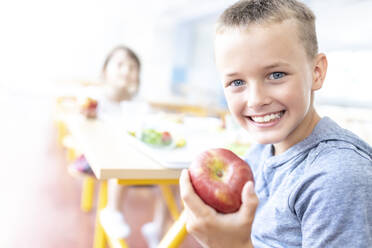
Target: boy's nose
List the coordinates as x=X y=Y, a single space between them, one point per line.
x=256 y=96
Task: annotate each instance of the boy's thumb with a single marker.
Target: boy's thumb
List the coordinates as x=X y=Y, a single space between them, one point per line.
x=249 y=198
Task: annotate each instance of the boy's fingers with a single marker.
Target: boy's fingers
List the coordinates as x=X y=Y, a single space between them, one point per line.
x=189 y=197
x=249 y=200
x=184 y=183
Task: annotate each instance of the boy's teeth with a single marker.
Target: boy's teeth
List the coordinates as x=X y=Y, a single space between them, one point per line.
x=266 y=118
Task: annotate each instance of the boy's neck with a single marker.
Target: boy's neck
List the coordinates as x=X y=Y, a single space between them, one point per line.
x=300 y=133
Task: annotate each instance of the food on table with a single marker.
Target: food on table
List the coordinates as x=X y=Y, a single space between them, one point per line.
x=238 y=148
x=132 y=133
x=156 y=138
x=218 y=176
x=88 y=107
x=181 y=142
x=166 y=138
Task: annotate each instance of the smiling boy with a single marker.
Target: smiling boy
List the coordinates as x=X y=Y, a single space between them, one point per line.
x=313 y=179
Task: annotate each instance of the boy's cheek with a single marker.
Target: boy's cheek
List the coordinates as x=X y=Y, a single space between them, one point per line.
x=234 y=102
x=230 y=104
x=229 y=97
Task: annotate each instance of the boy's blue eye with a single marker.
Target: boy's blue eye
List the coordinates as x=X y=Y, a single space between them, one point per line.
x=237 y=83
x=276 y=75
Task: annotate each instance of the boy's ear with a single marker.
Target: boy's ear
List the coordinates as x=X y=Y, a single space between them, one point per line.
x=319 y=71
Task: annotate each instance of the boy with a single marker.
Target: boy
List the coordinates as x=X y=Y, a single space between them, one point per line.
x=313 y=179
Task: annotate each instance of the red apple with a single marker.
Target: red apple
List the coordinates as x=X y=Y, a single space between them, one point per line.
x=89 y=108
x=166 y=138
x=218 y=176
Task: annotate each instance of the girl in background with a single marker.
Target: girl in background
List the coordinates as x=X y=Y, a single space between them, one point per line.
x=120 y=84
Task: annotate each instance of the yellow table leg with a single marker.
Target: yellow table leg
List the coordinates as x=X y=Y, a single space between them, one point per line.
x=71 y=154
x=170 y=201
x=61 y=131
x=87 y=193
x=176 y=234
x=99 y=235
x=178 y=230
x=71 y=147
x=120 y=243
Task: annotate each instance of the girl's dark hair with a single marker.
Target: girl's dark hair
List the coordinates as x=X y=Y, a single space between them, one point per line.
x=129 y=51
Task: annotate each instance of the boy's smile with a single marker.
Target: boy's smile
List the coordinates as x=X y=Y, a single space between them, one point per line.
x=268 y=81
x=266 y=120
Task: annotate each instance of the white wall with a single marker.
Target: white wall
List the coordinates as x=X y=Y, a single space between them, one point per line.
x=44 y=41
x=344 y=29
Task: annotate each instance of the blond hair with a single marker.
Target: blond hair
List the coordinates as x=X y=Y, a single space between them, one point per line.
x=246 y=12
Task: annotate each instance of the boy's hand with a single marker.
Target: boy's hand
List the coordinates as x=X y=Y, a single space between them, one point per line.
x=213 y=229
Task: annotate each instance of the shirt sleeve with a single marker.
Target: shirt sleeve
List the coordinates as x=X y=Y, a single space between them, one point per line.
x=334 y=202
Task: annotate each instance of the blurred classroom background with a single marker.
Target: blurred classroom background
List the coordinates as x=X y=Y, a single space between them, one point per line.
x=48 y=47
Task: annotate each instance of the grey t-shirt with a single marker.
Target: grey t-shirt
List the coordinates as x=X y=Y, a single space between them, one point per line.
x=316 y=194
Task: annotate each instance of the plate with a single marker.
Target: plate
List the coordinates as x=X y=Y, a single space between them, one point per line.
x=174 y=157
